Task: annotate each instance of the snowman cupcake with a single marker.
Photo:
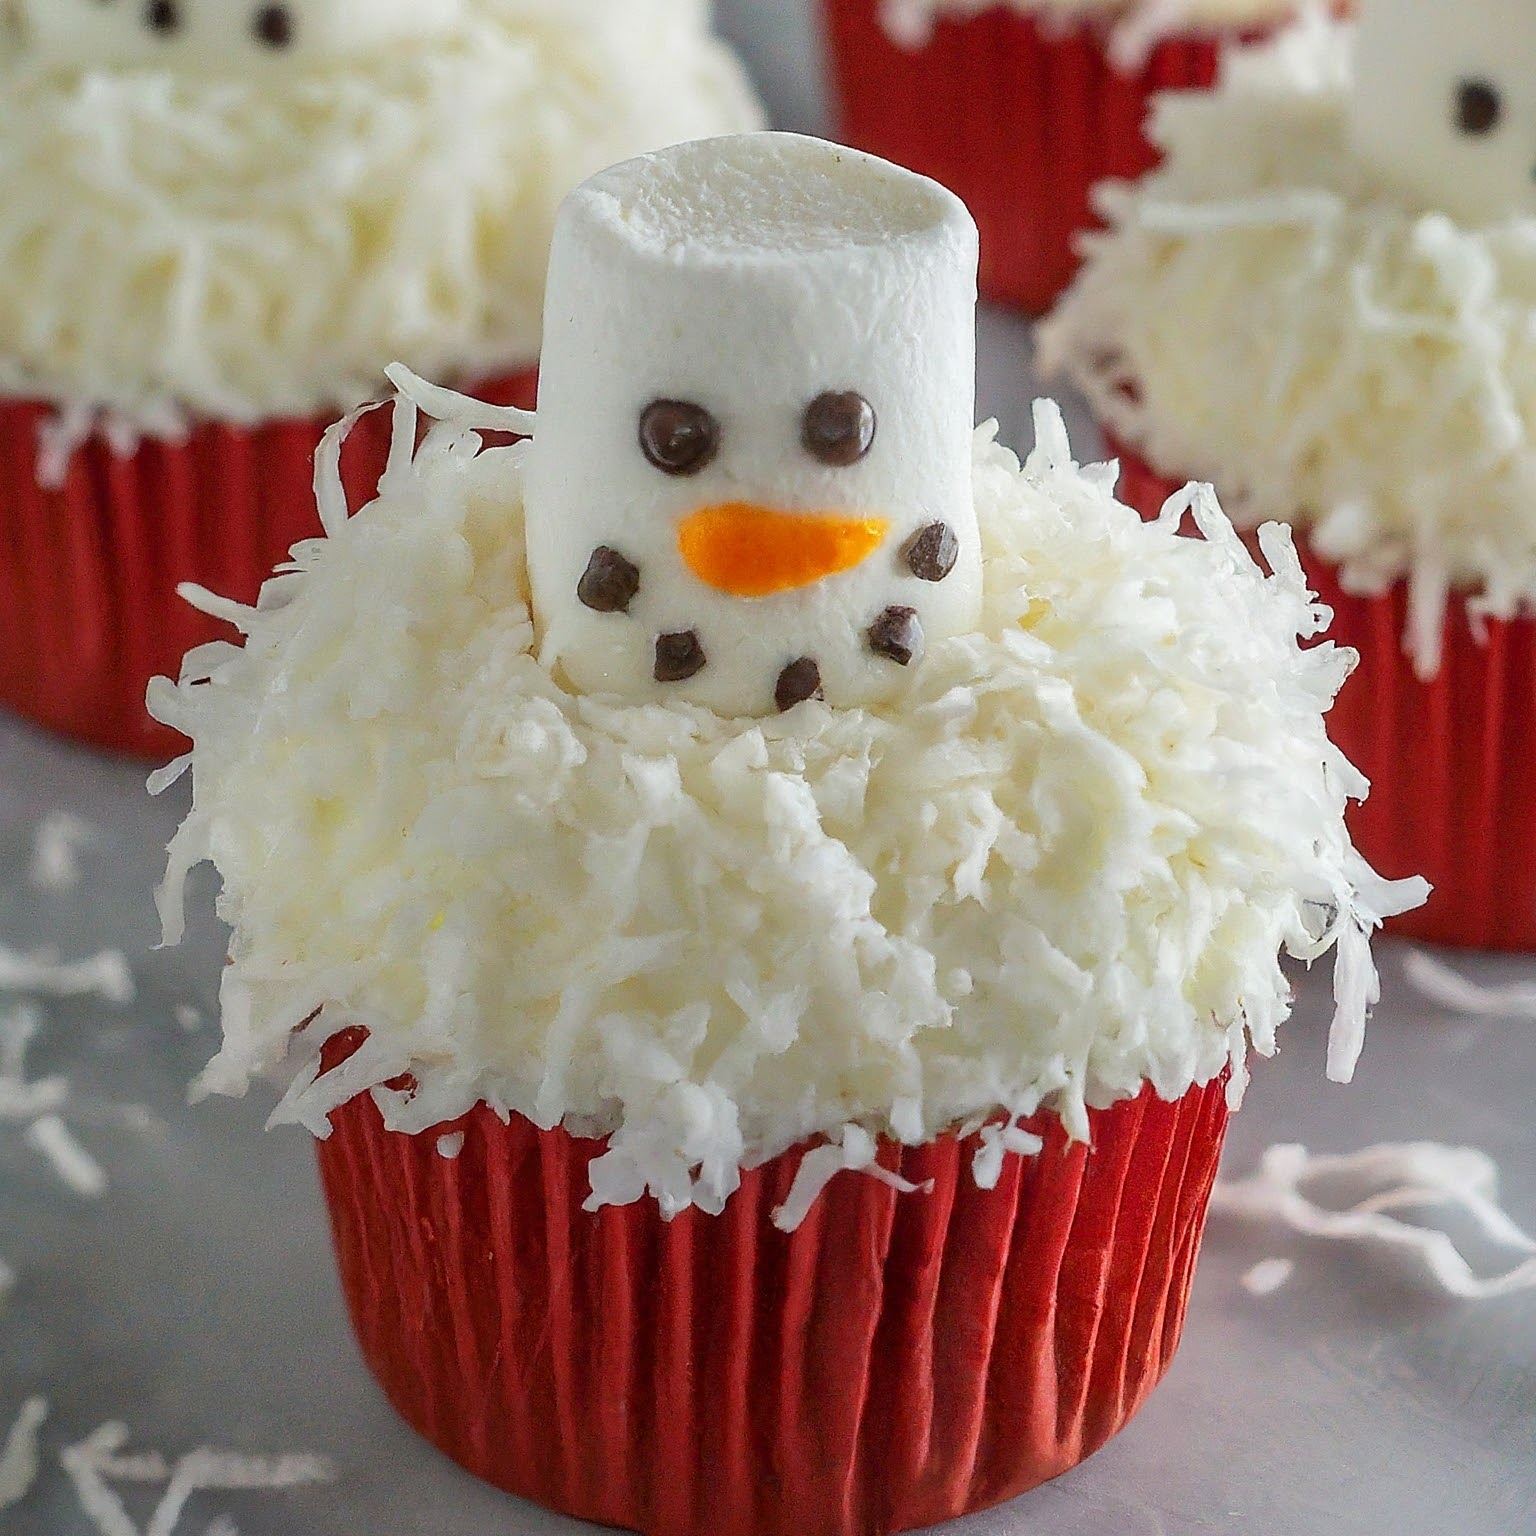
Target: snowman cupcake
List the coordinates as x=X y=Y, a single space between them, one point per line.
x=1325 y=302
x=1022 y=105
x=766 y=900
x=219 y=220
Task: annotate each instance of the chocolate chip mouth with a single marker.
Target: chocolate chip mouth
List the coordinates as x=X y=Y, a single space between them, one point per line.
x=932 y=552
x=897 y=635
x=799 y=681
x=679 y=656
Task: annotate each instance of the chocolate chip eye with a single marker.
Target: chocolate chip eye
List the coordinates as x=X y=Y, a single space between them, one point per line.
x=678 y=437
x=273 y=26
x=162 y=16
x=1478 y=107
x=839 y=428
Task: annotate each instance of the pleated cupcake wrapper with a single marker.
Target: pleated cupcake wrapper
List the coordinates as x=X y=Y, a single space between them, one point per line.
x=1018 y=118
x=898 y=1360
x=1452 y=761
x=89 y=570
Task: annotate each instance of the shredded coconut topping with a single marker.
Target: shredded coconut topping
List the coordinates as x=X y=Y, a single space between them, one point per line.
x=1137 y=26
x=1061 y=865
x=1258 y=313
x=1378 y=1181
x=250 y=247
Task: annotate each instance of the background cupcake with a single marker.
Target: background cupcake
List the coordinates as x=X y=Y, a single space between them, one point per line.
x=1324 y=302
x=823 y=793
x=217 y=229
x=1021 y=106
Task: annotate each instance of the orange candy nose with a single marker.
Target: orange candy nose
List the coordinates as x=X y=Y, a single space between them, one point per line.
x=754 y=552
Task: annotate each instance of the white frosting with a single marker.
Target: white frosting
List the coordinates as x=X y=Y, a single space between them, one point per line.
x=1422 y=66
x=247 y=248
x=1059 y=865
x=750 y=277
x=1262 y=313
x=226 y=35
x=1136 y=27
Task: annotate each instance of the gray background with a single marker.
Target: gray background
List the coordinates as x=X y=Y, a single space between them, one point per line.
x=196 y=1300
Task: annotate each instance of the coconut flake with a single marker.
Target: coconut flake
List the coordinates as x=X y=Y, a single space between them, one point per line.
x=19 y=1459
x=105 y=975
x=1448 y=988
x=1267 y=1276
x=97 y=1462
x=999 y=1142
x=56 y=848
x=855 y=1152
x=73 y=1164
x=1390 y=1177
x=459 y=409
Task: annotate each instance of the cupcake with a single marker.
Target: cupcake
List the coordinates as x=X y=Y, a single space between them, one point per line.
x=766 y=901
x=220 y=223
x=1325 y=302
x=1022 y=105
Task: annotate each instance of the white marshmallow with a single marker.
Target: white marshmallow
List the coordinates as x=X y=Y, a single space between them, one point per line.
x=750 y=276
x=1445 y=103
x=233 y=34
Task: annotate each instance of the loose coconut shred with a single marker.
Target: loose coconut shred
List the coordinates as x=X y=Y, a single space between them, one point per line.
x=1062 y=865
x=1260 y=314
x=175 y=246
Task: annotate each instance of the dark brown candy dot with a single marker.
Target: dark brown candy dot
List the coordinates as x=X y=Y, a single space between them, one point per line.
x=274 y=26
x=1478 y=107
x=679 y=657
x=162 y=15
x=897 y=634
x=678 y=437
x=609 y=583
x=931 y=553
x=799 y=681
x=838 y=428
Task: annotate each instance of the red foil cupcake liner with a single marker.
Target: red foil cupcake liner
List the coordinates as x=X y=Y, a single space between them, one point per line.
x=89 y=570
x=1452 y=761
x=1019 y=118
x=898 y=1360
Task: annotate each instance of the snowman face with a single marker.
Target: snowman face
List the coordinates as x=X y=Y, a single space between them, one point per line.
x=750 y=483
x=232 y=34
x=1444 y=107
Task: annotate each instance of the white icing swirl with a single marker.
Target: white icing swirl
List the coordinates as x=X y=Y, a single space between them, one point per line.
x=248 y=247
x=1261 y=314
x=1062 y=864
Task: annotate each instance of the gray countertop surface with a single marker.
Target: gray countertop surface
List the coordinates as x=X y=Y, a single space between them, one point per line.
x=194 y=1301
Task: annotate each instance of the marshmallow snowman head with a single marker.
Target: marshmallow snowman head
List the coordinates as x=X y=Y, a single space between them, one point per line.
x=750 y=483
x=225 y=34
x=1444 y=106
